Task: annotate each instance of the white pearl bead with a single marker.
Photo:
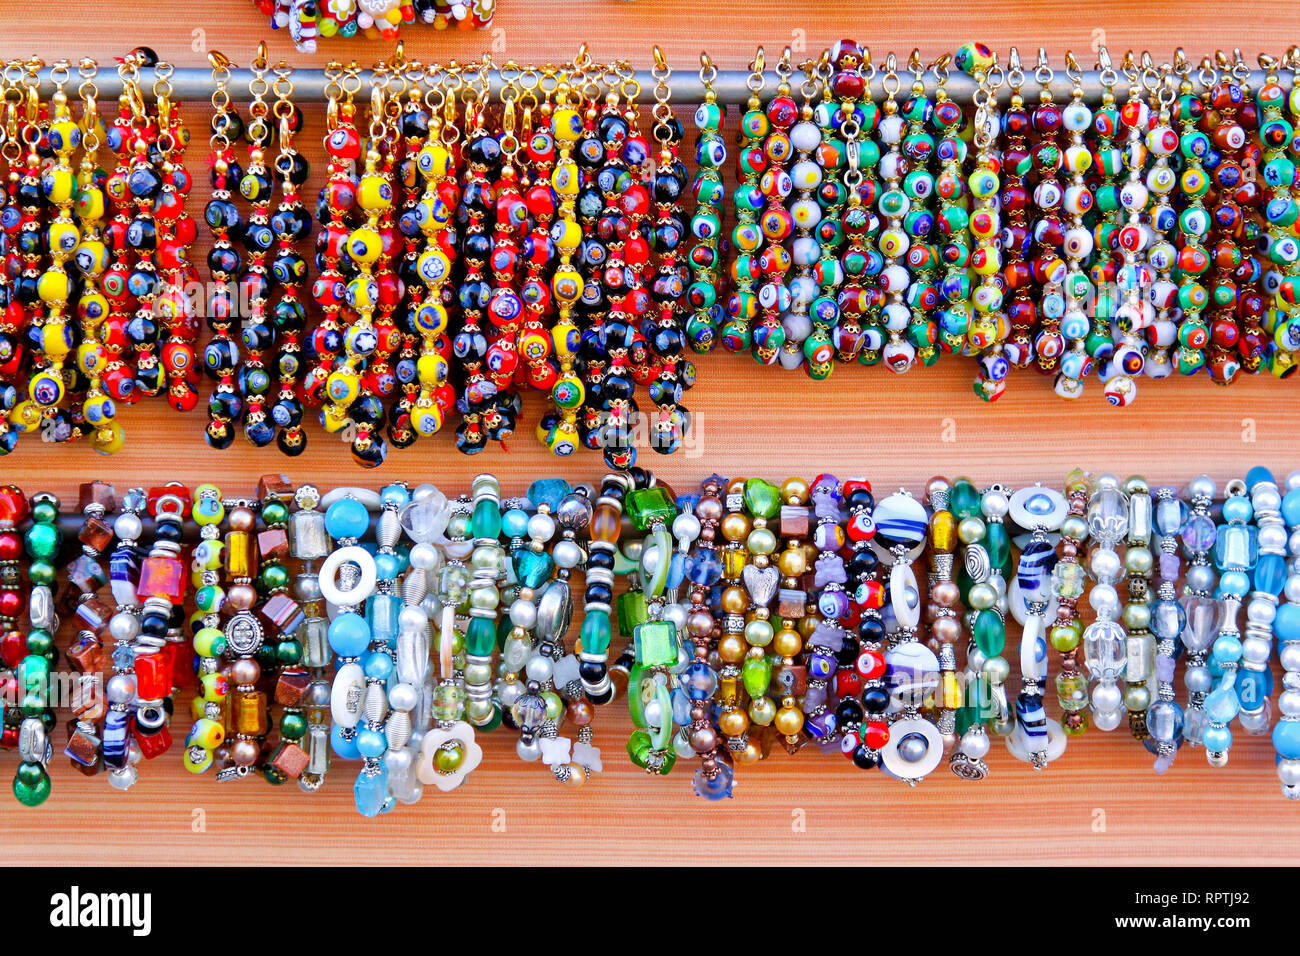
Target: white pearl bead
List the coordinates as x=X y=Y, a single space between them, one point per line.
x=567 y=554
x=539 y=668
x=1289 y=655
x=994 y=505
x=123 y=626
x=541 y=526
x=1291 y=590
x=1104 y=600
x=676 y=615
x=1266 y=499
x=510 y=692
x=1107 y=697
x=529 y=751
x=123 y=779
x=1272 y=537
x=975 y=745
x=412 y=617
x=1288 y=771
x=1198 y=679
x=121 y=688
x=1261 y=612
x=686 y=526
x=523 y=614
x=128 y=527
x=1288 y=703
x=1105 y=564
x=1255 y=650
x=1293 y=481
x=425 y=556
x=403 y=697
x=1106 y=719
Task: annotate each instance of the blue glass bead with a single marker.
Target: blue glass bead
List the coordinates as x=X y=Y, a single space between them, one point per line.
x=1199 y=533
x=704 y=567
x=548 y=491
x=1171 y=514
x=344 y=747
x=1034 y=571
x=676 y=570
x=698 y=681
x=1237 y=508
x=1257 y=475
x=514 y=523
x=717 y=787
x=347 y=518
x=1237 y=547
x=397 y=495
x=349 y=635
x=821 y=726
x=1168 y=619
x=1291 y=507
x=1221 y=706
x=371 y=743
x=531 y=568
x=1286 y=625
x=1270 y=573
x=1286 y=739
x=371 y=791
x=377 y=665
x=820 y=666
x=1227 y=649
x=1217 y=739
x=1253 y=688
x=1165 y=721
x=681 y=707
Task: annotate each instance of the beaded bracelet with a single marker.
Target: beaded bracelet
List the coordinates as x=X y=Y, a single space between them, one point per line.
x=1165 y=716
x=602 y=551
x=862 y=721
x=826 y=639
x=1136 y=614
x=487 y=569
x=1286 y=625
x=308 y=543
x=14 y=509
x=246 y=722
x=789 y=672
x=1068 y=584
x=1105 y=639
x=706 y=222
x=87 y=574
x=1235 y=553
x=651 y=680
x=41 y=542
x=124 y=627
x=1203 y=611
x=942 y=611
x=1162 y=141
x=761 y=580
x=347 y=579
x=715 y=778
x=285 y=759
x=448 y=751
x=915 y=746
x=1041 y=512
x=1254 y=679
x=919 y=184
x=208 y=730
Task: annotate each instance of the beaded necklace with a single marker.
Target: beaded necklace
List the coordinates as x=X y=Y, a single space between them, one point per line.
x=1286 y=250
x=145 y=182
x=539 y=247
x=985 y=330
x=246 y=722
x=1248 y=195
x=1228 y=136
x=45 y=386
x=895 y=204
x=602 y=555
x=819 y=350
x=805 y=213
x=747 y=200
x=733 y=647
x=953 y=312
x=487 y=569
x=13 y=352
x=775 y=221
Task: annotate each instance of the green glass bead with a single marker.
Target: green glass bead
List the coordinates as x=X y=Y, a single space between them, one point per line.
x=293 y=725
x=265 y=656
x=643 y=754
x=531 y=567
x=990 y=633
x=964 y=499
x=1072 y=691
x=646 y=506
x=756 y=674
x=492 y=722
x=998 y=544
x=480 y=637
x=31 y=784
x=45 y=511
x=39 y=642
x=273 y=577
x=595 y=634
x=275 y=512
x=656 y=643
x=762 y=498
x=43 y=541
x=635 y=705
x=1064 y=637
x=42 y=572
x=554 y=705
x=486 y=520
x=288 y=652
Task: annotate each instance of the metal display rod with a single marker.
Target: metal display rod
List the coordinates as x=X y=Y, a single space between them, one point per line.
x=730 y=86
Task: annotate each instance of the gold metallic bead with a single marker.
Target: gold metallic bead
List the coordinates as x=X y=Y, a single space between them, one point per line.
x=733 y=722
x=789 y=721
x=788 y=643
x=762 y=711
x=794 y=491
x=732 y=649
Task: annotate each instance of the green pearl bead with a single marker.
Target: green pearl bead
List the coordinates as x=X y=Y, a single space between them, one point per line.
x=42 y=572
x=448 y=758
x=274 y=577
x=288 y=652
x=45 y=511
x=39 y=642
x=275 y=513
x=31 y=784
x=293 y=725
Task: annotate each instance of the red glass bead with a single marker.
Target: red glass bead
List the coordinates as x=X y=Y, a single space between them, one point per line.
x=13 y=506
x=870 y=664
x=870 y=595
x=153 y=676
x=162 y=577
x=11 y=547
x=848 y=683
x=154 y=744
x=13 y=648
x=875 y=734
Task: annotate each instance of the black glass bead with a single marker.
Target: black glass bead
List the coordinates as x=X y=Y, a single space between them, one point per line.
x=848 y=711
x=875 y=698
x=865 y=759
x=871 y=630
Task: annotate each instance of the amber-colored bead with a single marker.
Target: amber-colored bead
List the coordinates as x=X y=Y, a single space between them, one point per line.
x=734 y=601
x=794 y=491
x=943 y=531
x=249 y=713
x=605 y=523
x=735 y=527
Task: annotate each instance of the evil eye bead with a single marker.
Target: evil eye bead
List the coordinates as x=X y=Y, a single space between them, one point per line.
x=365 y=246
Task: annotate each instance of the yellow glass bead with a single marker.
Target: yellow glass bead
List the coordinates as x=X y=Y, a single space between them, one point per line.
x=206 y=733
x=562 y=440
x=342 y=386
x=566 y=125
x=45 y=388
x=733 y=722
x=561 y=333
x=567 y=235
x=90 y=204
x=99 y=410
x=434 y=160
x=565 y=179
x=426 y=419
x=249 y=713
x=794 y=491
x=204 y=757
x=63 y=238
x=91 y=258
x=60 y=185
x=567 y=285
x=568 y=392
x=238 y=554
x=943 y=531
x=430 y=319
x=56 y=337
x=434 y=267
x=950 y=691
x=362 y=294
x=787 y=643
x=432 y=369
x=335 y=419
x=733 y=562
x=92 y=307
x=52 y=287
x=25 y=416
x=214 y=687
x=109 y=438
x=365 y=245
x=374 y=193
